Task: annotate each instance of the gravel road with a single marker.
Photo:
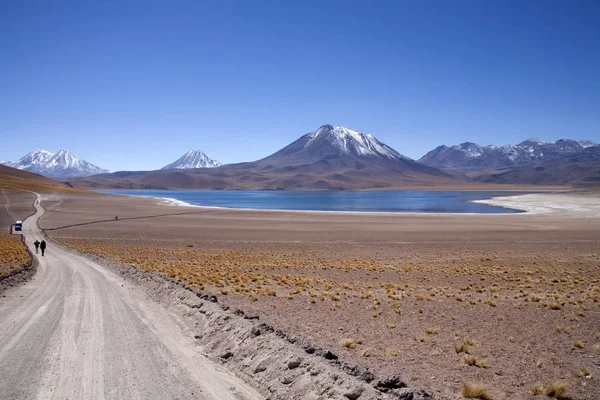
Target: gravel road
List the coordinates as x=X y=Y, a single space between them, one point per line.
x=78 y=331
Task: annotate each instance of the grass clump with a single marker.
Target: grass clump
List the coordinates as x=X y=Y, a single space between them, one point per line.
x=351 y=343
x=474 y=361
x=365 y=353
x=581 y=372
x=555 y=390
x=464 y=345
x=476 y=390
x=432 y=331
x=390 y=352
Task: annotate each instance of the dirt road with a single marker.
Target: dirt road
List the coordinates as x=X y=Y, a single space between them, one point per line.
x=78 y=331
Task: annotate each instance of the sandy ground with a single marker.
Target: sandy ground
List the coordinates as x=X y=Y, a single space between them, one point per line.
x=523 y=287
x=14 y=205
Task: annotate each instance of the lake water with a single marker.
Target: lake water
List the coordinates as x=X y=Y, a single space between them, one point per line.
x=370 y=201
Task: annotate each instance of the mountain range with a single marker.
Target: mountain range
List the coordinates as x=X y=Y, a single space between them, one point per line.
x=335 y=157
x=578 y=168
x=469 y=157
x=62 y=164
x=332 y=157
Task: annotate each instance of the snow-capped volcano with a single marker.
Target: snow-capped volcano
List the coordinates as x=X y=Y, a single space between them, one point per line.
x=331 y=142
x=338 y=150
x=349 y=141
x=56 y=165
x=193 y=159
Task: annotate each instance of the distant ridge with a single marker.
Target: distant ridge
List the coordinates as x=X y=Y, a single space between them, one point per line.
x=469 y=156
x=581 y=168
x=193 y=159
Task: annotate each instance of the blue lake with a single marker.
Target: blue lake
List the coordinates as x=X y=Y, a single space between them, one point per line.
x=370 y=201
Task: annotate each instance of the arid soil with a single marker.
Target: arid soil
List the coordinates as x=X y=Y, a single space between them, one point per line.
x=14 y=205
x=421 y=296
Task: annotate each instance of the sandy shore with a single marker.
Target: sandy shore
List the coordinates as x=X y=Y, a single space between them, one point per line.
x=582 y=205
x=524 y=287
x=124 y=216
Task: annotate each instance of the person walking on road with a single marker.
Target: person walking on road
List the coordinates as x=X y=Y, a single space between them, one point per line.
x=43 y=246
x=37 y=245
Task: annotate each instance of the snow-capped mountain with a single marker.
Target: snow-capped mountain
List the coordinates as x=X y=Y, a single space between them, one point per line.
x=470 y=156
x=338 y=150
x=350 y=142
x=336 y=142
x=193 y=159
x=62 y=164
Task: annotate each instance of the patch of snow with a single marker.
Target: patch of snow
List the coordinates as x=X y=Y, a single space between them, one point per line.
x=350 y=141
x=587 y=143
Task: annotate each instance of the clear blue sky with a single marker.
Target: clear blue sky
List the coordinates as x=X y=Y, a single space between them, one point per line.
x=134 y=85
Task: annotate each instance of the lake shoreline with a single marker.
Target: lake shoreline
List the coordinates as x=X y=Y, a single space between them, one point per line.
x=372 y=202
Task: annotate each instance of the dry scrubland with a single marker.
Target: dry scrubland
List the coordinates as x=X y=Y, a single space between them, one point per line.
x=12 y=253
x=501 y=307
x=503 y=320
x=14 y=205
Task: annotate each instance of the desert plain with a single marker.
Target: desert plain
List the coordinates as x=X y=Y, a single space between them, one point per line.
x=508 y=301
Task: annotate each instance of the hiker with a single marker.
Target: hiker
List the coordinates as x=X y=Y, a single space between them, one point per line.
x=43 y=246
x=37 y=245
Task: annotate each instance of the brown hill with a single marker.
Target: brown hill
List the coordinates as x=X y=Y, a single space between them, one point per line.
x=18 y=179
x=250 y=177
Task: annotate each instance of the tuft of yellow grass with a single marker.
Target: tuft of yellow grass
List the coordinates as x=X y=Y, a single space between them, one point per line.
x=351 y=343
x=432 y=331
x=581 y=372
x=476 y=390
x=556 y=390
x=562 y=329
x=578 y=344
x=464 y=345
x=474 y=361
x=555 y=306
x=390 y=352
